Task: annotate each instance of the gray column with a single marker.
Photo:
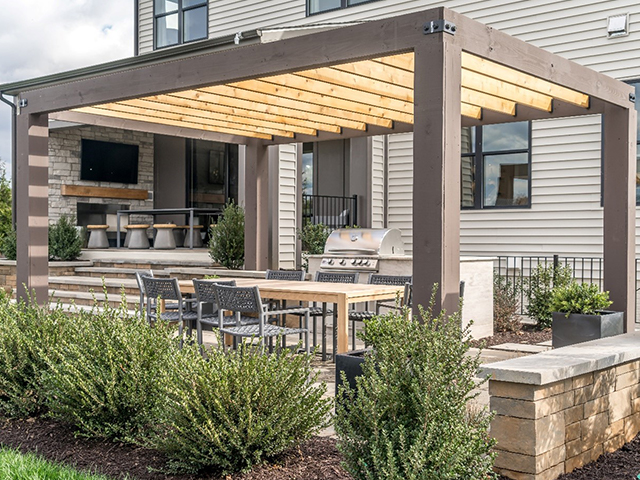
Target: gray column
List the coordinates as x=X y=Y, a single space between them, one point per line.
x=256 y=197
x=619 y=185
x=436 y=172
x=32 y=206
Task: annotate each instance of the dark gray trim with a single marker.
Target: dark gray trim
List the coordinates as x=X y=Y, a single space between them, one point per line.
x=14 y=140
x=136 y=28
x=146 y=59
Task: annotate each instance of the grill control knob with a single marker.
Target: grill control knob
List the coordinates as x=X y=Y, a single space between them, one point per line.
x=343 y=262
x=365 y=262
x=354 y=262
x=361 y=262
x=330 y=261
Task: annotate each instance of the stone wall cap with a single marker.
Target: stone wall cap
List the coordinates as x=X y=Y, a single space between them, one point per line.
x=566 y=362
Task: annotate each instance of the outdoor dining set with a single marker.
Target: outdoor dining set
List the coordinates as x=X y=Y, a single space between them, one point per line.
x=257 y=308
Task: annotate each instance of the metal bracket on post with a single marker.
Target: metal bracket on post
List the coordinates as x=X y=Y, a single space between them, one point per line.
x=632 y=97
x=437 y=26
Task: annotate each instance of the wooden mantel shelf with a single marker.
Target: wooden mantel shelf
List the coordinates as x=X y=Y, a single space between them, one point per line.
x=104 y=192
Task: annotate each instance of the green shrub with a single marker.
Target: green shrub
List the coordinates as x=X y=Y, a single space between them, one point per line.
x=8 y=245
x=409 y=416
x=233 y=410
x=26 y=330
x=506 y=304
x=542 y=281
x=106 y=374
x=65 y=242
x=576 y=297
x=226 y=244
x=17 y=466
x=313 y=238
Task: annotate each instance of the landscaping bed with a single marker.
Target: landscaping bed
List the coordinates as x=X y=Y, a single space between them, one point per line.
x=315 y=460
x=529 y=334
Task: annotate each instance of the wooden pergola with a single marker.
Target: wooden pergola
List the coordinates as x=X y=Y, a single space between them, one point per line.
x=428 y=72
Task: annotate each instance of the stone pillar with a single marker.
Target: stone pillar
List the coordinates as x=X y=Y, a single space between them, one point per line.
x=32 y=203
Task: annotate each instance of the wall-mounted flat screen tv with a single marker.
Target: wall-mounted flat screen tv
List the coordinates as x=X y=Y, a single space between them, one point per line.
x=108 y=162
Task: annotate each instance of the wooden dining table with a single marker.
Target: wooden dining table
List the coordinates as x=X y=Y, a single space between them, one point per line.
x=342 y=294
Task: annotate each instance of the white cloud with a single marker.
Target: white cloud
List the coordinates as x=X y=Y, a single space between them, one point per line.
x=41 y=37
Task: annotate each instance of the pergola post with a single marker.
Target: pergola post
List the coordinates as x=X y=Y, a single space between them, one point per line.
x=619 y=184
x=436 y=172
x=32 y=206
x=256 y=228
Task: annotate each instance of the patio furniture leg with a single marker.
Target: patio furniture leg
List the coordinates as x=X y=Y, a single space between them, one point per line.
x=306 y=331
x=324 y=332
x=335 y=332
x=353 y=334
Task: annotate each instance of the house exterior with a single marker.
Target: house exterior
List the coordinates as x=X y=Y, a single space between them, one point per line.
x=527 y=189
x=556 y=165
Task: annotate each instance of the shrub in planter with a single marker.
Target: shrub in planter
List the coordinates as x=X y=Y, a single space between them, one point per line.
x=506 y=304
x=106 y=375
x=409 y=415
x=226 y=244
x=8 y=245
x=26 y=330
x=580 y=315
x=233 y=410
x=65 y=242
x=542 y=281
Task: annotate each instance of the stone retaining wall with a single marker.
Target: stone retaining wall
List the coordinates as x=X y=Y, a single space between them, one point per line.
x=559 y=410
x=58 y=269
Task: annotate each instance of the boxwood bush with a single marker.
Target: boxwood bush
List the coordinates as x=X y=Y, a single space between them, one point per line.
x=26 y=331
x=410 y=416
x=235 y=409
x=106 y=374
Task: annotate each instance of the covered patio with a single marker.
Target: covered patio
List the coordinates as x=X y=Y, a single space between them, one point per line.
x=429 y=72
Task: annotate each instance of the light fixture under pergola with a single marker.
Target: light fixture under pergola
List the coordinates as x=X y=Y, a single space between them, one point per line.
x=352 y=96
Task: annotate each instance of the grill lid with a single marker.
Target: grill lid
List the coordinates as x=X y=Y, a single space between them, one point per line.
x=365 y=241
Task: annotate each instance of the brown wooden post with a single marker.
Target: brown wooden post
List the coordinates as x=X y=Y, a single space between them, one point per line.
x=32 y=206
x=619 y=184
x=436 y=174
x=256 y=228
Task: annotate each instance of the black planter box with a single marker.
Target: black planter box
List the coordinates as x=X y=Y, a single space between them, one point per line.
x=351 y=364
x=578 y=328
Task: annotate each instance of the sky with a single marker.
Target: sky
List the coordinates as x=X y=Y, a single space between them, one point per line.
x=41 y=37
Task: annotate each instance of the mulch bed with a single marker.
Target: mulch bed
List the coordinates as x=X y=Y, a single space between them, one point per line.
x=317 y=459
x=528 y=334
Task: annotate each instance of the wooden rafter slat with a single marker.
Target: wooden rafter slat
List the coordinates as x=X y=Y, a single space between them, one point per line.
x=510 y=75
x=331 y=90
x=188 y=99
x=196 y=112
x=484 y=100
x=357 y=82
x=166 y=121
x=404 y=61
x=289 y=107
x=509 y=91
x=471 y=111
x=346 y=108
x=379 y=72
x=154 y=113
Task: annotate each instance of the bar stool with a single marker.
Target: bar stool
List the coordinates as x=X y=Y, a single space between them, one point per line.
x=137 y=236
x=164 y=236
x=98 y=236
x=178 y=234
x=197 y=237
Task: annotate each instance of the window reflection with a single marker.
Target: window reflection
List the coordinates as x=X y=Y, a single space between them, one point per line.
x=307 y=169
x=316 y=6
x=506 y=180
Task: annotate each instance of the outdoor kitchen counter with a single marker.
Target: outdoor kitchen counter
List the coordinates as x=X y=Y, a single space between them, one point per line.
x=476 y=272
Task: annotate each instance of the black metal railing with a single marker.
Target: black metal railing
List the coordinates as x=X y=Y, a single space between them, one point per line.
x=334 y=212
x=517 y=269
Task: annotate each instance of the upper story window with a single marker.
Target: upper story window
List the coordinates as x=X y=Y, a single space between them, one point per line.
x=179 y=21
x=319 y=6
x=496 y=166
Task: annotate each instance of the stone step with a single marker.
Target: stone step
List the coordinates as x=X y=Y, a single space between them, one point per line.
x=89 y=299
x=116 y=272
x=87 y=284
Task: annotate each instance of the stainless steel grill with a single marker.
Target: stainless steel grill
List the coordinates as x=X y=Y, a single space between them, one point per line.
x=360 y=249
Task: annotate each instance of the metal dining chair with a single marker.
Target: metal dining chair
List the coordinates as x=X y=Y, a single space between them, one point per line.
x=149 y=273
x=246 y=300
x=376 y=279
x=206 y=295
x=287 y=276
x=323 y=311
x=167 y=289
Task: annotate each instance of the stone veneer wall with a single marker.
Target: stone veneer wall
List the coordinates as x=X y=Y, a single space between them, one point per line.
x=548 y=429
x=64 y=168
